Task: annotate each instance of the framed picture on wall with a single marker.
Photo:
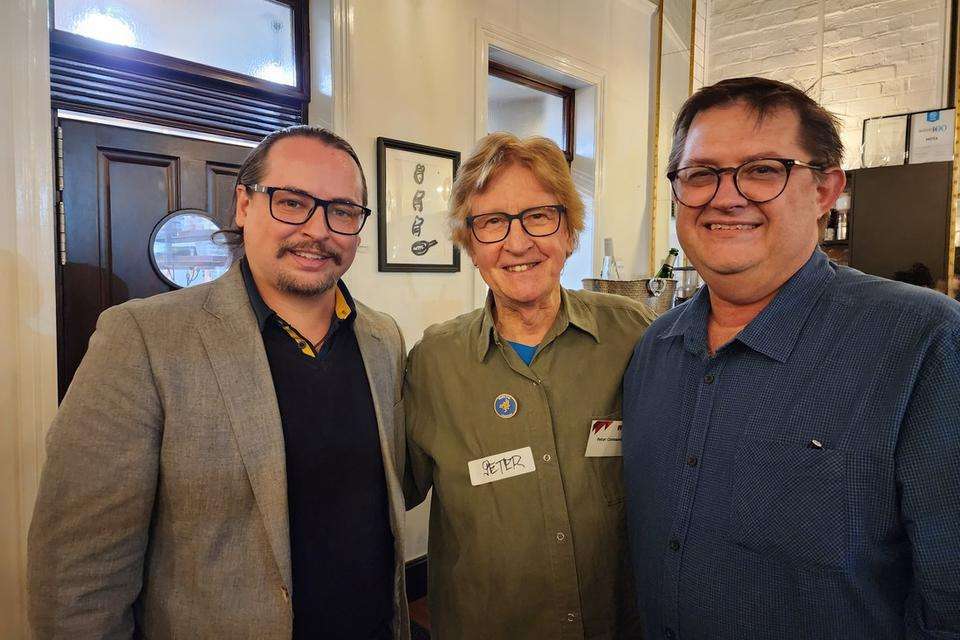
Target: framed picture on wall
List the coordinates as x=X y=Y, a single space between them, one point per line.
x=413 y=189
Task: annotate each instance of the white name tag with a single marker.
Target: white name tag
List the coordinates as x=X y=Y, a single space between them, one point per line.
x=604 y=440
x=501 y=465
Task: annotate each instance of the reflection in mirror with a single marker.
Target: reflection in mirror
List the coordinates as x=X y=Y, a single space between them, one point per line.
x=675 y=83
x=183 y=252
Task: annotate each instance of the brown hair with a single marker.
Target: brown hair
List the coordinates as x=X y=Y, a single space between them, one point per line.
x=491 y=156
x=819 y=134
x=255 y=166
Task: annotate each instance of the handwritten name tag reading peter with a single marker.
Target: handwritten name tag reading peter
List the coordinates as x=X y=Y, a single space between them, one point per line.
x=501 y=466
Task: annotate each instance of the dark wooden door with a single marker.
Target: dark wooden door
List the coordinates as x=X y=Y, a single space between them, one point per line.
x=117 y=185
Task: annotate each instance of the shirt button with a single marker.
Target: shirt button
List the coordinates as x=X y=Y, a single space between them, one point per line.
x=709 y=378
x=669 y=634
x=561 y=536
x=674 y=545
x=571 y=617
x=692 y=461
x=546 y=457
x=285 y=594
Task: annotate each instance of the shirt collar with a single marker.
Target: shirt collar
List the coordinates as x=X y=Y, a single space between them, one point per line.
x=345 y=308
x=573 y=311
x=776 y=329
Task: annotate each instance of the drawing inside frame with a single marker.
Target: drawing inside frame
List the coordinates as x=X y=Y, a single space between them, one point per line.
x=413 y=189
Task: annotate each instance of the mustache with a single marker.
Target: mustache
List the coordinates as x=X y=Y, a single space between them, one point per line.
x=319 y=248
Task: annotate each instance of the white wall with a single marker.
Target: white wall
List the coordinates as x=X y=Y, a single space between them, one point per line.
x=863 y=58
x=410 y=75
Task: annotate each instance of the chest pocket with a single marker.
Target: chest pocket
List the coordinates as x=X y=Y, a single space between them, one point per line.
x=789 y=503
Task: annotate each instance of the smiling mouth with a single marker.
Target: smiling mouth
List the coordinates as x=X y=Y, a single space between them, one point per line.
x=316 y=253
x=731 y=227
x=310 y=256
x=520 y=268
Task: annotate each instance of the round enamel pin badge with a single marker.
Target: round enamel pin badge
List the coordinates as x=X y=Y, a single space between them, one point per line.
x=505 y=405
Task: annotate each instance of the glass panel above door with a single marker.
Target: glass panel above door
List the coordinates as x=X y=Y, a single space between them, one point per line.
x=251 y=37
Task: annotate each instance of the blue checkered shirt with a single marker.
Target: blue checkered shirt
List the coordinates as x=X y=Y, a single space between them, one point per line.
x=804 y=482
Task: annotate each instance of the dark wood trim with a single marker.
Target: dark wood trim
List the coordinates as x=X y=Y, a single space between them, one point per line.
x=382 y=265
x=568 y=94
x=83 y=86
x=416 y=571
x=301 y=25
x=58 y=268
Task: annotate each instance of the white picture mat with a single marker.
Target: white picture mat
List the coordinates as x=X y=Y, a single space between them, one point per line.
x=931 y=136
x=400 y=214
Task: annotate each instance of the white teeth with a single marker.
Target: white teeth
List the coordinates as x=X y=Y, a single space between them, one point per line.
x=731 y=227
x=311 y=256
x=519 y=267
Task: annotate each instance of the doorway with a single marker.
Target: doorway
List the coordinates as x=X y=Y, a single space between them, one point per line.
x=118 y=183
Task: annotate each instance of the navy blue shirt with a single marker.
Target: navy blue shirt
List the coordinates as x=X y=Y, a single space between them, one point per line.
x=803 y=482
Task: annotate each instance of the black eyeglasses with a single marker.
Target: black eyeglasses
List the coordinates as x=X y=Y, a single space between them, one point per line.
x=537 y=222
x=758 y=181
x=296 y=207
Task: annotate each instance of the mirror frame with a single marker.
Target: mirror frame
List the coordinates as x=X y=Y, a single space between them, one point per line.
x=951 y=274
x=656 y=251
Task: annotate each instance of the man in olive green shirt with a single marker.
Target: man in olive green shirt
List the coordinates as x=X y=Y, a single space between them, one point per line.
x=527 y=536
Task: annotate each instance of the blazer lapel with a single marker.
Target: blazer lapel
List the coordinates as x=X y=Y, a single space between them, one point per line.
x=235 y=349
x=380 y=375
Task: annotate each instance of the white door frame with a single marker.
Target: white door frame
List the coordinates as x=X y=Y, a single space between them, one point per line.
x=491 y=35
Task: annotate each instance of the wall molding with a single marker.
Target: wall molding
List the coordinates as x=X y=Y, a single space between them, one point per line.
x=341 y=33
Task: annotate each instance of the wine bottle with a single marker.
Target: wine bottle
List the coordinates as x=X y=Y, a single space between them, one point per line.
x=666 y=270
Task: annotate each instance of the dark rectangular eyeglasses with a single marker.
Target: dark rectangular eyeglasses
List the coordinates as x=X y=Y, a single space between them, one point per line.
x=296 y=207
x=535 y=221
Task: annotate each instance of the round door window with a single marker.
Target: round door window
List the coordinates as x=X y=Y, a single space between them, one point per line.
x=183 y=252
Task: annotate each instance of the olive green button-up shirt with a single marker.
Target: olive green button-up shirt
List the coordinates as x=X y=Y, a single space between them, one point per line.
x=542 y=554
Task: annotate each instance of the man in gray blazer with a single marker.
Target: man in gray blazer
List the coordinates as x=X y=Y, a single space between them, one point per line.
x=225 y=463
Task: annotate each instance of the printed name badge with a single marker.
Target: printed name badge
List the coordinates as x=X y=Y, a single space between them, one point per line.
x=501 y=466
x=605 y=439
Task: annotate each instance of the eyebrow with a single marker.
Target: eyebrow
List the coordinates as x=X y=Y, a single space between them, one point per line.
x=709 y=162
x=307 y=193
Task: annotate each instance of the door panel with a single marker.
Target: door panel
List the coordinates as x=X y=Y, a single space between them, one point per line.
x=118 y=184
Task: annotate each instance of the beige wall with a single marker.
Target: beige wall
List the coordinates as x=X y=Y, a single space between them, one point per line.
x=411 y=75
x=27 y=327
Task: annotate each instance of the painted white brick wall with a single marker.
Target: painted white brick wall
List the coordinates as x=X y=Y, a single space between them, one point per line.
x=858 y=58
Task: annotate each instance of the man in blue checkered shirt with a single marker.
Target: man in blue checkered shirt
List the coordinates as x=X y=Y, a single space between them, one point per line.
x=792 y=433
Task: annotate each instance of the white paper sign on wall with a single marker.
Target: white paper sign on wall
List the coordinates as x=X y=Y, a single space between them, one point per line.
x=931 y=136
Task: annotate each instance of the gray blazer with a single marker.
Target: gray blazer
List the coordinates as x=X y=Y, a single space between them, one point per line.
x=163 y=501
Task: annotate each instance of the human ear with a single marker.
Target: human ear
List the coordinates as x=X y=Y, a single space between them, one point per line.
x=243 y=201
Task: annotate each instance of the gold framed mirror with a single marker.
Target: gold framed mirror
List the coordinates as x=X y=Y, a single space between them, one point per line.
x=677 y=28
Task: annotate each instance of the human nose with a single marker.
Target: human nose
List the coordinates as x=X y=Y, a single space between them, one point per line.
x=728 y=196
x=316 y=226
x=517 y=240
